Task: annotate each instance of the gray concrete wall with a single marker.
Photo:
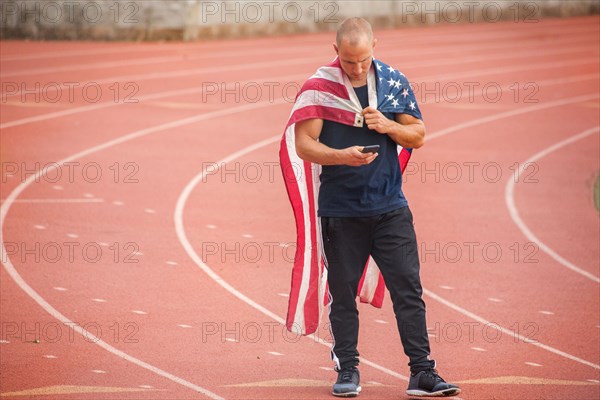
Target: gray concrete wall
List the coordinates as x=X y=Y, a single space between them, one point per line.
x=206 y=19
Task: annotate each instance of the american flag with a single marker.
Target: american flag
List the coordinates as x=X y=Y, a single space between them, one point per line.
x=328 y=95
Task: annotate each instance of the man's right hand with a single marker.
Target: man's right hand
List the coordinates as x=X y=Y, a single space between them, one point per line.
x=310 y=149
x=354 y=157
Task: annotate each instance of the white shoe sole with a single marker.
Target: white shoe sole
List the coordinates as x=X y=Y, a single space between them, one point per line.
x=440 y=393
x=348 y=394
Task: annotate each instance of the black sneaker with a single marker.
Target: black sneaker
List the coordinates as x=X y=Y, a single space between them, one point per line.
x=429 y=383
x=348 y=383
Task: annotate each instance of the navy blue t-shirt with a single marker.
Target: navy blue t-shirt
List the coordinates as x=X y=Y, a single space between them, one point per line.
x=366 y=190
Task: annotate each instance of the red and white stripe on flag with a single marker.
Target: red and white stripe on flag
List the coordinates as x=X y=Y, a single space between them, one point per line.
x=325 y=95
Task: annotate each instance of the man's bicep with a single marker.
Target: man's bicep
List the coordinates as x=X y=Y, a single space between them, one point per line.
x=407 y=119
x=309 y=128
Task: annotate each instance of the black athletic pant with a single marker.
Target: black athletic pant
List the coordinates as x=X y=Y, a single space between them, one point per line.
x=390 y=239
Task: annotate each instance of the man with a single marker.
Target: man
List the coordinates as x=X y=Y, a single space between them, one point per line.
x=364 y=213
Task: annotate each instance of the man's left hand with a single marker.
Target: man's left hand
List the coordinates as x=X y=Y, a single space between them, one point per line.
x=376 y=121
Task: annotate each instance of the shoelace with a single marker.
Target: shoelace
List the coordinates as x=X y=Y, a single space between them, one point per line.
x=433 y=373
x=347 y=375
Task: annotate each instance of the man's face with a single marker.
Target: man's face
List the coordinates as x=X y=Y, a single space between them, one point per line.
x=356 y=59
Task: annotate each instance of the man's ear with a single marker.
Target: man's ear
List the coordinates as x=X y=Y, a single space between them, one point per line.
x=336 y=48
x=374 y=42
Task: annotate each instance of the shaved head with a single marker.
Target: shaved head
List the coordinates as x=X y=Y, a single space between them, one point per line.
x=354 y=30
x=354 y=45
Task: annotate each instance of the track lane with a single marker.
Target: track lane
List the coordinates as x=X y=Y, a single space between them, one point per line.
x=320 y=350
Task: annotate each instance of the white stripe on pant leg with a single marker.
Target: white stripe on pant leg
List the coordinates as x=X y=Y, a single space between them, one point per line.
x=335 y=358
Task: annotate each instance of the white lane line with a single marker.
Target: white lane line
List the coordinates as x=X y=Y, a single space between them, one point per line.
x=512 y=113
x=533 y=364
x=494 y=300
x=545 y=312
x=150 y=211
x=40 y=227
x=283 y=294
x=478 y=349
x=184 y=326
x=593 y=380
x=247 y=236
x=509 y=197
x=326 y=368
x=60 y=289
x=508 y=332
x=99 y=371
x=50 y=356
x=57 y=187
x=231 y=340
x=103 y=65
x=99 y=300
x=118 y=203
x=4 y=342
x=74 y=53
x=275 y=353
x=446 y=287
x=146 y=386
x=210 y=226
x=380 y=321
x=88 y=195
x=139 y=312
x=172 y=263
x=72 y=235
x=58 y=201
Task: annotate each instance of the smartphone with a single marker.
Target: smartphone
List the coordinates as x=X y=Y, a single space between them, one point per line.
x=370 y=149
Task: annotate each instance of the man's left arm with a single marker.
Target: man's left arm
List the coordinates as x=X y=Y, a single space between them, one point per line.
x=405 y=130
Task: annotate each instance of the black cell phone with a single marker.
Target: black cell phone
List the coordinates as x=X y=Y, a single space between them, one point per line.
x=370 y=149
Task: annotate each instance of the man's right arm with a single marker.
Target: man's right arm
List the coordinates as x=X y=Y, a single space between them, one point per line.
x=310 y=149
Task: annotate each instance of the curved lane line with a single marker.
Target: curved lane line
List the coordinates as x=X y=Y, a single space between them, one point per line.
x=509 y=332
x=509 y=196
x=9 y=267
x=189 y=249
x=183 y=197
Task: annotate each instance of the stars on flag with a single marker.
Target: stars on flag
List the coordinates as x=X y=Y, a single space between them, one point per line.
x=396 y=96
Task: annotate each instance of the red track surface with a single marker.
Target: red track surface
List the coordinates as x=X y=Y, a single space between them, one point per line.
x=172 y=328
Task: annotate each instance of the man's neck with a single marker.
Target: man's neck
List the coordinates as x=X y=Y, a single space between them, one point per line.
x=357 y=84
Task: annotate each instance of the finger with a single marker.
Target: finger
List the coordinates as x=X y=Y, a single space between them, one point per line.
x=372 y=157
x=368 y=110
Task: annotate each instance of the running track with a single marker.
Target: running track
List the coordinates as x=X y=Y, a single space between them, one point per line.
x=510 y=261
